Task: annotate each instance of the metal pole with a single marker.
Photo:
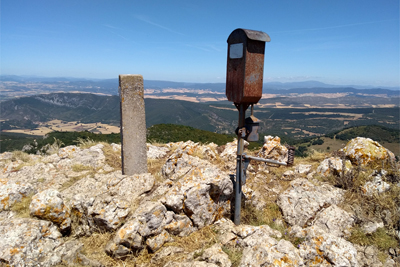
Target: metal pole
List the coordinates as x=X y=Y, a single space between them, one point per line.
x=239 y=163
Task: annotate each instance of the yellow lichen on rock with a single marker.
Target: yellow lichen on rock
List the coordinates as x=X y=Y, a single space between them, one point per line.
x=363 y=151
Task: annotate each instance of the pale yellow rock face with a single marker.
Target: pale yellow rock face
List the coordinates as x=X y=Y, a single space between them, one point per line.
x=363 y=151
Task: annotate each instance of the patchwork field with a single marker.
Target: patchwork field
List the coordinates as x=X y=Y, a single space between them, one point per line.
x=64 y=126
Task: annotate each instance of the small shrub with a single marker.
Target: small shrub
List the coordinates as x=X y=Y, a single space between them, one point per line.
x=85 y=143
x=379 y=238
x=253 y=216
x=19 y=155
x=234 y=254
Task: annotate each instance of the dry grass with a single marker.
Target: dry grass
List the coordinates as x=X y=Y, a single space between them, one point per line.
x=154 y=167
x=85 y=143
x=53 y=148
x=80 y=168
x=203 y=238
x=19 y=155
x=113 y=158
x=24 y=157
x=75 y=179
x=93 y=248
x=253 y=216
x=22 y=207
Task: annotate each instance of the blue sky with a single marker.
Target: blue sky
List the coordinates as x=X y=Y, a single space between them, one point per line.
x=337 y=42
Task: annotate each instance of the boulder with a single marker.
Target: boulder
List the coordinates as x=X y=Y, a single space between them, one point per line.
x=303 y=200
x=216 y=256
x=272 y=149
x=156 y=242
x=362 y=151
x=323 y=249
x=105 y=201
x=334 y=220
x=148 y=221
x=49 y=205
x=271 y=252
x=108 y=212
x=180 y=225
x=203 y=194
x=29 y=242
x=333 y=166
x=179 y=164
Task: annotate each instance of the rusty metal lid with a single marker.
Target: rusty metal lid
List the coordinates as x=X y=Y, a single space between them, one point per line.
x=251 y=34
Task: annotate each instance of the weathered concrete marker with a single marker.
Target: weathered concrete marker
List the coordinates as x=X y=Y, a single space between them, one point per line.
x=133 y=125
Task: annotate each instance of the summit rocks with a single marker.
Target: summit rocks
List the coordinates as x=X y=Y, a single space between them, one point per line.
x=73 y=194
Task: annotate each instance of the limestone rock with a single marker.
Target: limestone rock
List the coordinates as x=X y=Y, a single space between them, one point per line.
x=181 y=225
x=272 y=149
x=333 y=165
x=156 y=152
x=68 y=152
x=228 y=155
x=49 y=205
x=203 y=194
x=215 y=255
x=376 y=186
x=13 y=192
x=83 y=223
x=105 y=201
x=326 y=249
x=271 y=253
x=108 y=212
x=303 y=169
x=156 y=242
x=190 y=264
x=148 y=220
x=302 y=200
x=165 y=252
x=251 y=236
x=288 y=175
x=334 y=220
x=179 y=164
x=130 y=187
x=70 y=253
x=362 y=151
x=29 y=242
x=371 y=226
x=368 y=256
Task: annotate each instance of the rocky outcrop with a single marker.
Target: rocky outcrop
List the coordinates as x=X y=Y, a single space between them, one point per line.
x=302 y=200
x=148 y=221
x=363 y=151
x=272 y=149
x=48 y=205
x=74 y=193
x=203 y=194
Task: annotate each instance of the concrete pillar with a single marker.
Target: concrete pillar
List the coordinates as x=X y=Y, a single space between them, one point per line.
x=133 y=125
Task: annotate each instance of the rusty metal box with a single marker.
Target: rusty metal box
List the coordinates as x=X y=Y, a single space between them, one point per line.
x=244 y=74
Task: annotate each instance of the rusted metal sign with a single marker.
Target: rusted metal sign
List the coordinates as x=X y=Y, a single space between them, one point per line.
x=245 y=67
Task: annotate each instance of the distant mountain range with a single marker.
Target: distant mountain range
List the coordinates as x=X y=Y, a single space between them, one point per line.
x=13 y=85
